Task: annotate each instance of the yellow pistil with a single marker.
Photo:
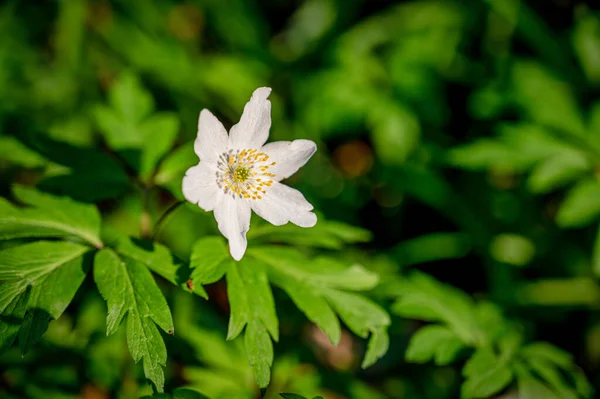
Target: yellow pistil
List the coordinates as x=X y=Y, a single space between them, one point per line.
x=241 y=174
x=245 y=174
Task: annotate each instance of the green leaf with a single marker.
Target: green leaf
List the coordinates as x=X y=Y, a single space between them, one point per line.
x=596 y=254
x=179 y=393
x=129 y=98
x=208 y=260
x=546 y=359
x=159 y=259
x=376 y=348
x=552 y=376
x=486 y=153
x=48 y=216
x=130 y=128
x=316 y=287
x=425 y=298
x=53 y=270
x=395 y=132
x=129 y=289
x=486 y=375
x=581 y=206
x=159 y=132
x=430 y=341
x=432 y=247
x=530 y=387
x=172 y=169
x=15 y=152
x=545 y=98
x=548 y=352
x=557 y=171
x=362 y=317
x=325 y=234
x=291 y=396
x=252 y=306
x=92 y=174
x=11 y=319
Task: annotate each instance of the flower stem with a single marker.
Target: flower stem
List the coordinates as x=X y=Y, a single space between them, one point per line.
x=164 y=217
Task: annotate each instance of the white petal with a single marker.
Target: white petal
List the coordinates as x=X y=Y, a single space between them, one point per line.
x=282 y=204
x=212 y=137
x=233 y=218
x=199 y=186
x=252 y=131
x=289 y=156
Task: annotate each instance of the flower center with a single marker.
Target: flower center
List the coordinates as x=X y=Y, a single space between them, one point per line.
x=241 y=174
x=244 y=174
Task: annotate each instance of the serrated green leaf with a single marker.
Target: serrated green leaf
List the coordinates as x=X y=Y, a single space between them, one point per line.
x=448 y=351
x=141 y=138
x=425 y=298
x=548 y=352
x=208 y=260
x=238 y=302
x=34 y=326
x=11 y=319
x=486 y=375
x=291 y=396
x=252 y=306
x=159 y=259
x=552 y=376
x=582 y=385
x=426 y=342
x=54 y=270
x=362 y=317
x=314 y=306
x=325 y=234
x=377 y=347
x=15 y=152
x=581 y=206
x=557 y=171
x=315 y=287
x=490 y=320
x=259 y=349
x=48 y=216
x=129 y=289
x=531 y=388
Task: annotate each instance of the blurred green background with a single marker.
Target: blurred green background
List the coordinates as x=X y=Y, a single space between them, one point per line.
x=465 y=135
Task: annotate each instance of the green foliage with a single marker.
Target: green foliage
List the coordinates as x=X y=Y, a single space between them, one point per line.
x=318 y=287
x=456 y=184
x=131 y=127
x=499 y=354
x=54 y=272
x=296 y=396
x=48 y=216
x=130 y=290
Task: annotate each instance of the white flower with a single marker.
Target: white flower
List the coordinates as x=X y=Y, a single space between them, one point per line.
x=239 y=172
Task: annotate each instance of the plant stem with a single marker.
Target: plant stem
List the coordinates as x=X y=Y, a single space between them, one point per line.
x=163 y=217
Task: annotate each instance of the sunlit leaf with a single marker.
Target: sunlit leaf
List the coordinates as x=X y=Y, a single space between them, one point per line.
x=130 y=290
x=53 y=270
x=48 y=216
x=581 y=206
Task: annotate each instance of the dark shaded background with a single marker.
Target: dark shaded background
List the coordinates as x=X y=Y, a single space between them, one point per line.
x=397 y=95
